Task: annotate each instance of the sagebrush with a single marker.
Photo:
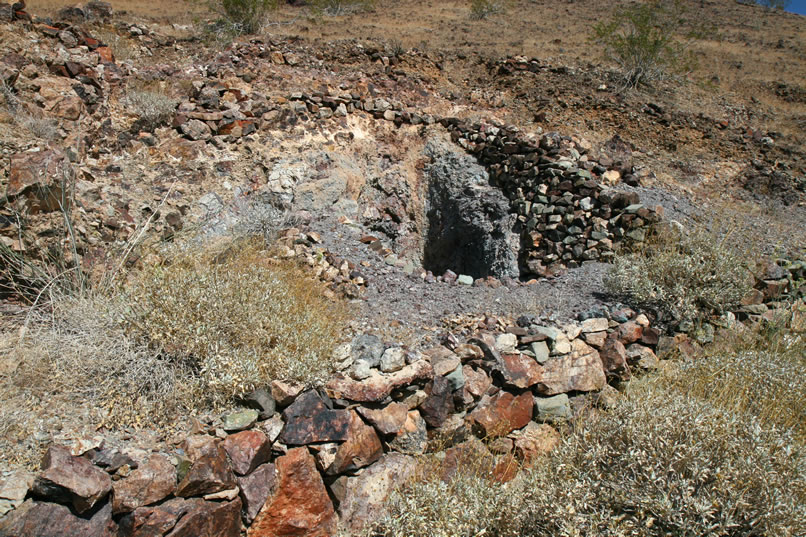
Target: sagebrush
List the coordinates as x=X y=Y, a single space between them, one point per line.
x=481 y=9
x=685 y=273
x=152 y=107
x=243 y=16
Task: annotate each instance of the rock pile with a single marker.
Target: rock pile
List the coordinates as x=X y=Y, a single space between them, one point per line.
x=332 y=456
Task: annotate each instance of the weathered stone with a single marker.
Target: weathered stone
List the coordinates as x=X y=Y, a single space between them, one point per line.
x=255 y=488
x=365 y=495
x=439 y=404
x=210 y=473
x=247 y=450
x=467 y=352
x=238 y=421
x=502 y=413
x=308 y=420
x=650 y=336
x=412 y=438
x=387 y=420
x=262 y=401
x=41 y=178
x=628 y=332
x=541 y=351
x=456 y=379
x=614 y=359
x=38 y=519
x=519 y=370
x=596 y=324
x=13 y=490
x=595 y=339
x=642 y=357
x=181 y=517
x=393 y=359
x=443 y=360
x=378 y=387
x=284 y=392
x=580 y=370
x=153 y=481
x=477 y=382
x=196 y=130
x=506 y=343
x=72 y=480
x=551 y=409
x=199 y=445
x=367 y=347
x=533 y=441
x=362 y=447
x=300 y=505
x=273 y=427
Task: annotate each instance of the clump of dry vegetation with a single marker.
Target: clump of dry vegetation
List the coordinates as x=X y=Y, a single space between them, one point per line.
x=341 y=7
x=481 y=9
x=39 y=126
x=151 y=106
x=179 y=337
x=685 y=273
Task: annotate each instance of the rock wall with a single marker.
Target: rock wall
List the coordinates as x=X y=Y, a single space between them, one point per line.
x=306 y=462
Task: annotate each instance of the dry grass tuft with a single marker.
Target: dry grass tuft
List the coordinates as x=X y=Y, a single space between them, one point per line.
x=152 y=107
x=686 y=273
x=237 y=318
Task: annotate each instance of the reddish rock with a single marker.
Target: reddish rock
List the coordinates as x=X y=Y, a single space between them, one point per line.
x=614 y=359
x=378 y=386
x=247 y=450
x=255 y=488
x=518 y=370
x=628 y=332
x=198 y=445
x=642 y=357
x=73 y=480
x=300 y=505
x=366 y=495
x=362 y=447
x=580 y=370
x=148 y=484
x=387 y=420
x=209 y=474
x=184 y=518
x=439 y=404
x=443 y=361
x=40 y=177
x=308 y=420
x=501 y=414
x=37 y=519
x=105 y=54
x=533 y=441
x=477 y=382
x=650 y=336
x=412 y=437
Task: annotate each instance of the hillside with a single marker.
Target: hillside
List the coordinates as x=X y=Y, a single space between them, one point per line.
x=399 y=245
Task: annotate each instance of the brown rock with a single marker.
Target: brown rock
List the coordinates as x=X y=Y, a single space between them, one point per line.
x=501 y=414
x=247 y=450
x=387 y=420
x=255 y=488
x=300 y=505
x=181 y=517
x=308 y=420
x=642 y=357
x=36 y=519
x=614 y=359
x=628 y=332
x=477 y=382
x=412 y=437
x=439 y=404
x=40 y=177
x=443 y=361
x=650 y=336
x=467 y=352
x=73 y=480
x=362 y=447
x=366 y=494
x=148 y=484
x=518 y=370
x=377 y=387
x=209 y=474
x=595 y=339
x=198 y=445
x=580 y=370
x=533 y=441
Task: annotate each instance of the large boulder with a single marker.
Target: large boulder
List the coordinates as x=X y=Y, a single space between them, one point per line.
x=580 y=370
x=153 y=481
x=71 y=480
x=39 y=519
x=309 y=420
x=502 y=413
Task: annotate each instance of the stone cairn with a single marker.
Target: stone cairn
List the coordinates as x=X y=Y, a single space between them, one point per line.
x=304 y=462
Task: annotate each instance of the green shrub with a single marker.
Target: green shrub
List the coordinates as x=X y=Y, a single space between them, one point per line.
x=687 y=274
x=481 y=9
x=647 y=41
x=237 y=318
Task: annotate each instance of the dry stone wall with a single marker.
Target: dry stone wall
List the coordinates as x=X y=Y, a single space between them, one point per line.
x=306 y=462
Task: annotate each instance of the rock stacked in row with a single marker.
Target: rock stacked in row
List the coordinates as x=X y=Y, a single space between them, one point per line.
x=332 y=456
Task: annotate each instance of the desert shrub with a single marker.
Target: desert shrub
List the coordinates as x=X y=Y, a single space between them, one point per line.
x=481 y=9
x=41 y=127
x=647 y=40
x=341 y=7
x=152 y=107
x=237 y=318
x=663 y=463
x=243 y=16
x=684 y=273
